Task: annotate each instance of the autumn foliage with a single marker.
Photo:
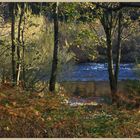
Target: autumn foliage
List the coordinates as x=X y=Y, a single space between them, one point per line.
x=30 y=114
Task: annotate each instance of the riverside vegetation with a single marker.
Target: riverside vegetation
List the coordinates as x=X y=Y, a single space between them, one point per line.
x=31 y=114
x=40 y=41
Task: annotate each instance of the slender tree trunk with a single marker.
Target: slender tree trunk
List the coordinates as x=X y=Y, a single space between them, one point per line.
x=118 y=48
x=107 y=23
x=19 y=44
x=23 y=52
x=110 y=66
x=55 y=59
x=12 y=10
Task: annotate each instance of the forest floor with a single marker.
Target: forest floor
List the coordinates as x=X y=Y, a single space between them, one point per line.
x=31 y=114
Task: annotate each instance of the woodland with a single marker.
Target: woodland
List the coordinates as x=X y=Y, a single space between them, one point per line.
x=69 y=70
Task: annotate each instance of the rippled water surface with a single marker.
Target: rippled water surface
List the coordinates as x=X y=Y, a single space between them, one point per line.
x=97 y=72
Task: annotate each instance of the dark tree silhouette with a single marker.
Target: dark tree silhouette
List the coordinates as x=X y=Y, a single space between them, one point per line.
x=55 y=52
x=12 y=12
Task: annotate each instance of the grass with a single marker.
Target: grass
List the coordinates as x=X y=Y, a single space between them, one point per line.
x=29 y=114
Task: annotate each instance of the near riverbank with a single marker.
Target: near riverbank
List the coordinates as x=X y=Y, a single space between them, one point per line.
x=31 y=114
x=90 y=89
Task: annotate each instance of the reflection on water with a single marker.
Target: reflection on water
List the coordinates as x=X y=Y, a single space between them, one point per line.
x=96 y=72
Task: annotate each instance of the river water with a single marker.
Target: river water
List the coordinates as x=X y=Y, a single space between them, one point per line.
x=97 y=72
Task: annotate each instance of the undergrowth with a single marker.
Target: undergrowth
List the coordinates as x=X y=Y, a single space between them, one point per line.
x=30 y=114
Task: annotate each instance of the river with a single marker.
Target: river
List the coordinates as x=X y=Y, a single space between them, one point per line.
x=96 y=72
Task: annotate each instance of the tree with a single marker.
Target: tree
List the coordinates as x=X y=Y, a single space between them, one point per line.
x=56 y=16
x=55 y=52
x=119 y=39
x=111 y=20
x=19 y=43
x=107 y=22
x=12 y=12
x=23 y=49
x=111 y=17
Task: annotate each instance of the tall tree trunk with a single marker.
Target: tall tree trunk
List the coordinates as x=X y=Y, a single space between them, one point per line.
x=118 y=47
x=19 y=44
x=110 y=66
x=23 y=51
x=12 y=10
x=107 y=23
x=55 y=59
